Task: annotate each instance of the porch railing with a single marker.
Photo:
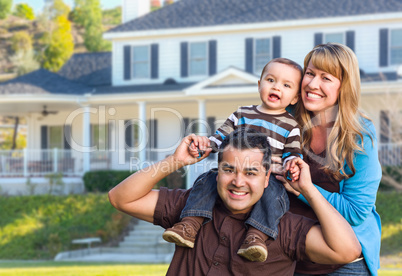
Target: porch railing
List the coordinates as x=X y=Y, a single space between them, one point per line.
x=30 y=163
x=16 y=163
x=390 y=154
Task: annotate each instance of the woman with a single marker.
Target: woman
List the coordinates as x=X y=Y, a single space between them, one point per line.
x=339 y=144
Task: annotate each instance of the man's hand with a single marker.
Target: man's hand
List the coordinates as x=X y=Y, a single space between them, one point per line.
x=185 y=154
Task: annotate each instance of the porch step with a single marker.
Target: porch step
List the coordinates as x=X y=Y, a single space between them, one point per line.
x=144 y=244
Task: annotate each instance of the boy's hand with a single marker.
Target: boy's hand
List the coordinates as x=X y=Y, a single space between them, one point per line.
x=198 y=146
x=292 y=171
x=182 y=154
x=304 y=183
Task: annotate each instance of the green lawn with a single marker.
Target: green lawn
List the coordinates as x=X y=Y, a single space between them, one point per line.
x=47 y=268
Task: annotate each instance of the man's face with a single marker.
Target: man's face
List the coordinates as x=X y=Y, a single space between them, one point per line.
x=241 y=178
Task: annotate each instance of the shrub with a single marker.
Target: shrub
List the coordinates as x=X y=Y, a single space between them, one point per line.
x=104 y=181
x=391 y=178
x=21 y=41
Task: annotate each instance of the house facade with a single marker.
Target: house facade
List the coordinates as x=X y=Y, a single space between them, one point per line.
x=184 y=68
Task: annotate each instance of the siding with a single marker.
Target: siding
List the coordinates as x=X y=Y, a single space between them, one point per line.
x=295 y=44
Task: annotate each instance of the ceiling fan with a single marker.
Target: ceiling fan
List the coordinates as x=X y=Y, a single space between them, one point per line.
x=46 y=112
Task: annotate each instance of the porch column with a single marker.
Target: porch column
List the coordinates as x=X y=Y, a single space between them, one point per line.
x=142 y=117
x=86 y=138
x=202 y=118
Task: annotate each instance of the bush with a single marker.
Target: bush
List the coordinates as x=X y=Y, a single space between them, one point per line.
x=104 y=181
x=391 y=178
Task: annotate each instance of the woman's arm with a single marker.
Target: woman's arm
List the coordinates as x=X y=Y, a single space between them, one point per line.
x=358 y=193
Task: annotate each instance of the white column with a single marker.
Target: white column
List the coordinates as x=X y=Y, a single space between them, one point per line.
x=86 y=138
x=202 y=118
x=142 y=117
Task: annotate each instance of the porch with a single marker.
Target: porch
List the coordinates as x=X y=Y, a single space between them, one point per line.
x=70 y=163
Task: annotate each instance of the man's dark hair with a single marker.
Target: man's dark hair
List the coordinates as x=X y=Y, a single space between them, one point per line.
x=247 y=138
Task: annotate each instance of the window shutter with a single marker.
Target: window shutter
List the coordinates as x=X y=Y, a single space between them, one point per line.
x=184 y=59
x=128 y=133
x=383 y=47
x=186 y=122
x=127 y=62
x=67 y=137
x=276 y=53
x=212 y=57
x=43 y=137
x=318 y=38
x=154 y=61
x=385 y=129
x=249 y=55
x=350 y=40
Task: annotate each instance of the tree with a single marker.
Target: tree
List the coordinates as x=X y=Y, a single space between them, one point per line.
x=5 y=8
x=88 y=14
x=58 y=8
x=24 y=62
x=21 y=41
x=60 y=45
x=24 y=11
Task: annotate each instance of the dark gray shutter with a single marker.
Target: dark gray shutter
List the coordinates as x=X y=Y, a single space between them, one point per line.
x=212 y=57
x=276 y=41
x=154 y=61
x=318 y=38
x=350 y=40
x=186 y=122
x=153 y=135
x=67 y=137
x=385 y=129
x=249 y=55
x=127 y=62
x=383 y=47
x=43 y=137
x=211 y=125
x=128 y=135
x=184 y=59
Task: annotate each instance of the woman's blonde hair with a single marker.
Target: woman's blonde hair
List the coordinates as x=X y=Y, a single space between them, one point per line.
x=339 y=61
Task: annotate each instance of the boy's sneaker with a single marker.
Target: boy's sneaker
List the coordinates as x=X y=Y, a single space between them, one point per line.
x=253 y=248
x=182 y=234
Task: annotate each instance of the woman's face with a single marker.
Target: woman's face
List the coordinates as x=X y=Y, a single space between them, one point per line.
x=319 y=89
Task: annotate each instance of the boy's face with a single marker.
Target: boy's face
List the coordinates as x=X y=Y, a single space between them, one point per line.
x=241 y=178
x=278 y=87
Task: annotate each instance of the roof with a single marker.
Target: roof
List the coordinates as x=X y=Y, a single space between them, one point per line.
x=145 y=88
x=201 y=13
x=93 y=69
x=42 y=81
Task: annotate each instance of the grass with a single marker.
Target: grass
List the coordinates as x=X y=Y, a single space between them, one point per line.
x=29 y=268
x=46 y=268
x=390 y=209
x=37 y=227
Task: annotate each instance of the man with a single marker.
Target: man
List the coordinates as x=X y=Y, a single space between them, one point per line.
x=242 y=176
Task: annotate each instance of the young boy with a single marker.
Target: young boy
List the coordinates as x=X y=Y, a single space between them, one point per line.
x=278 y=87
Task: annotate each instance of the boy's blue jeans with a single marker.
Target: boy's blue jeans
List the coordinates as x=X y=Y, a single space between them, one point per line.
x=265 y=215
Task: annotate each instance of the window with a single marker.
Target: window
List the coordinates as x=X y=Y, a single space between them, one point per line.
x=141 y=62
x=262 y=54
x=198 y=58
x=396 y=47
x=56 y=139
x=334 y=37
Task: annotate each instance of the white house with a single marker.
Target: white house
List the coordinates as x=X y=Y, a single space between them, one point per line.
x=185 y=68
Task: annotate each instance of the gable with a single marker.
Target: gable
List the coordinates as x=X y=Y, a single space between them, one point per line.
x=229 y=79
